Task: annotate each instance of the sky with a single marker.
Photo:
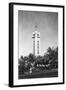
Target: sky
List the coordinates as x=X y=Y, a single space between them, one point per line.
x=47 y=23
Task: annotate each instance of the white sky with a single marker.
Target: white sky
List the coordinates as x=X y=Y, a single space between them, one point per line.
x=47 y=23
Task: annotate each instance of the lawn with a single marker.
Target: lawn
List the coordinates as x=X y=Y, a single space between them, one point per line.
x=41 y=74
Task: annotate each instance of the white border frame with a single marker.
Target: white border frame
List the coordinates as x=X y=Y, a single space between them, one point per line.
x=58 y=79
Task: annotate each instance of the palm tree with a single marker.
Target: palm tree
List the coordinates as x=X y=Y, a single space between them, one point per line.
x=31 y=61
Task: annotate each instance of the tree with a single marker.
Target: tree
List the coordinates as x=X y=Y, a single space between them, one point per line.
x=32 y=62
x=53 y=57
x=31 y=58
x=21 y=66
x=21 y=57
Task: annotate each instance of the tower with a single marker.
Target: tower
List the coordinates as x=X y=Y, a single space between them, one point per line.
x=36 y=41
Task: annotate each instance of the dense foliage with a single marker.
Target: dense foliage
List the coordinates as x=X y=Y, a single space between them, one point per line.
x=31 y=63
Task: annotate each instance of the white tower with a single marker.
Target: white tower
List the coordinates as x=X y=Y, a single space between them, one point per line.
x=36 y=42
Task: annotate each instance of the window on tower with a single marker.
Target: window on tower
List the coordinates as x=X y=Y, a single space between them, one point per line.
x=33 y=35
x=37 y=35
x=38 y=47
x=38 y=42
x=33 y=42
x=38 y=51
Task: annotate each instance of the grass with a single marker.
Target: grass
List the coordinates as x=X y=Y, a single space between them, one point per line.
x=41 y=74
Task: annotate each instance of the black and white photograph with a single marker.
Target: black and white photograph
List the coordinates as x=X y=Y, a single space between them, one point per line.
x=36 y=44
